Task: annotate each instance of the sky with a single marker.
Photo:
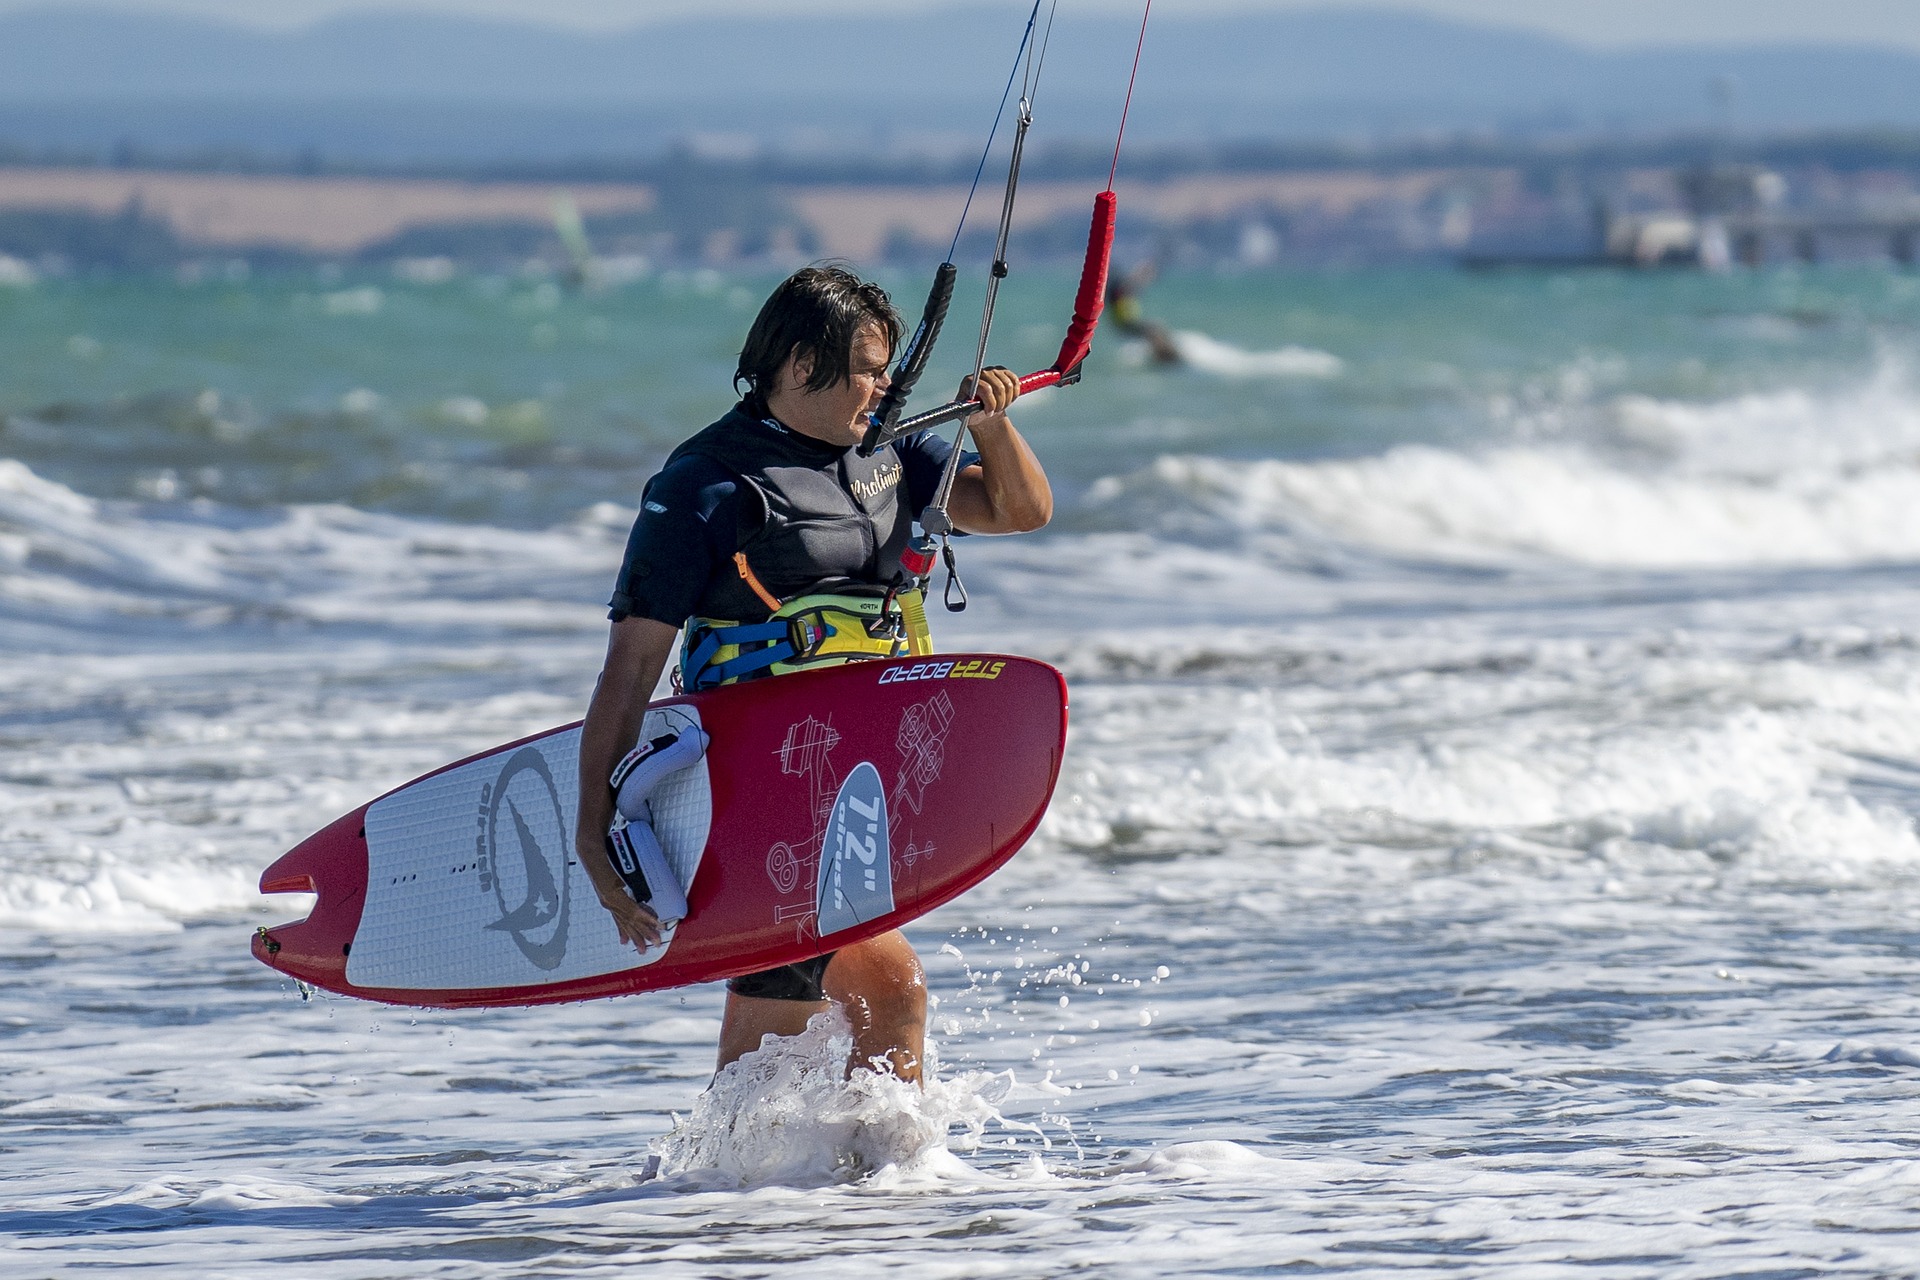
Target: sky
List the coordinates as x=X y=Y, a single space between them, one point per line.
x=1593 y=22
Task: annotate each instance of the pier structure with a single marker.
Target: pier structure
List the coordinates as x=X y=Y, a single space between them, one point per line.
x=1727 y=215
x=1758 y=237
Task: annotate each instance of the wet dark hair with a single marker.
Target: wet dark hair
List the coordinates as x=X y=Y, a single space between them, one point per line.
x=816 y=311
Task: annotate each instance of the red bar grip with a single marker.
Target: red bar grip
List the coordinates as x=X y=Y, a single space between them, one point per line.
x=1087 y=306
x=1092 y=298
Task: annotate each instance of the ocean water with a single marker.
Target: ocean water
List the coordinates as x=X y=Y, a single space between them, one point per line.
x=1486 y=844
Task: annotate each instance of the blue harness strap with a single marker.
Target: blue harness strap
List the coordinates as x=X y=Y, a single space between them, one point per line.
x=744 y=665
x=702 y=673
x=797 y=638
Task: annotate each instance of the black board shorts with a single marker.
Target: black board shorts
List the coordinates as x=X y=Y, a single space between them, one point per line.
x=798 y=981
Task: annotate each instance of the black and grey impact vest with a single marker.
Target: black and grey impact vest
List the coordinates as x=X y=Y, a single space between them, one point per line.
x=829 y=518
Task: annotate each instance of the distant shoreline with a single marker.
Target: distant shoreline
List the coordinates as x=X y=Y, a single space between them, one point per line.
x=1833 y=199
x=346 y=216
x=315 y=215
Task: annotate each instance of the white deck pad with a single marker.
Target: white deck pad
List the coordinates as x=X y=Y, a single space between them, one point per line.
x=472 y=880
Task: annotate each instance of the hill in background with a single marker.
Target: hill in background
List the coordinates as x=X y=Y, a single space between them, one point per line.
x=393 y=87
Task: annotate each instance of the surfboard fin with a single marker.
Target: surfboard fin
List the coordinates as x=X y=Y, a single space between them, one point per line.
x=291 y=873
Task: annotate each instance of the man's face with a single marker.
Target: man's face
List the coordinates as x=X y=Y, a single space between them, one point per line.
x=838 y=414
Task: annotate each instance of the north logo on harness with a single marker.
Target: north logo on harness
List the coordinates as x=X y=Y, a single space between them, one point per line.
x=521 y=845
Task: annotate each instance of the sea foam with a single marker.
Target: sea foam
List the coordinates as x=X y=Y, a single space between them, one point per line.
x=1789 y=477
x=792 y=1113
x=1514 y=505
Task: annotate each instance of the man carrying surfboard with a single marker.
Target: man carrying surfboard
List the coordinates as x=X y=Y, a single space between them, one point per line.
x=772 y=513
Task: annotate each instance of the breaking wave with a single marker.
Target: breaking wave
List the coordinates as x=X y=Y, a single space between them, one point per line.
x=1769 y=479
x=1561 y=504
x=67 y=555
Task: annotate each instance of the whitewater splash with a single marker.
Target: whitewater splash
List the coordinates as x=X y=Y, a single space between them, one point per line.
x=790 y=1113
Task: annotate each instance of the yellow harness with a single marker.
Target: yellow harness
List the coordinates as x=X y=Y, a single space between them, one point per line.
x=814 y=630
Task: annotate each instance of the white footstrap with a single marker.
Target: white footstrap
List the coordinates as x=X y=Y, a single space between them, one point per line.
x=641 y=862
x=637 y=854
x=648 y=764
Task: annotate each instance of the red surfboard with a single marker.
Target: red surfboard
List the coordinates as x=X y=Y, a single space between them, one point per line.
x=830 y=806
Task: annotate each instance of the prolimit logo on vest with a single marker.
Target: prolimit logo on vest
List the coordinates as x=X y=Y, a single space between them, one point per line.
x=882 y=480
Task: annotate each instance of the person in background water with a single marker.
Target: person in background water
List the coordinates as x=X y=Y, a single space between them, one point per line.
x=1123 y=301
x=769 y=504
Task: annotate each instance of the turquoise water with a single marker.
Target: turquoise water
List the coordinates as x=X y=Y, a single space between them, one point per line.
x=1486 y=843
x=364 y=391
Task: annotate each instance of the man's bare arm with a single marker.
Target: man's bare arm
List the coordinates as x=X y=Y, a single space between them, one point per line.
x=637 y=652
x=1006 y=491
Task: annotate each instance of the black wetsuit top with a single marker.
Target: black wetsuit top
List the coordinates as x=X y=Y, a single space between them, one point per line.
x=808 y=514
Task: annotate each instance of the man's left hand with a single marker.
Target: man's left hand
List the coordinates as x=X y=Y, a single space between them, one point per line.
x=999 y=387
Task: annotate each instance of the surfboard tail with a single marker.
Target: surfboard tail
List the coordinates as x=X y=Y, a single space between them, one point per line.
x=315 y=950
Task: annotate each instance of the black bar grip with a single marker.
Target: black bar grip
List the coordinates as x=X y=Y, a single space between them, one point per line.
x=954 y=410
x=913 y=361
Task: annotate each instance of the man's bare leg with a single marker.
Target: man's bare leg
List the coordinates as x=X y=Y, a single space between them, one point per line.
x=882 y=987
x=749 y=1018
